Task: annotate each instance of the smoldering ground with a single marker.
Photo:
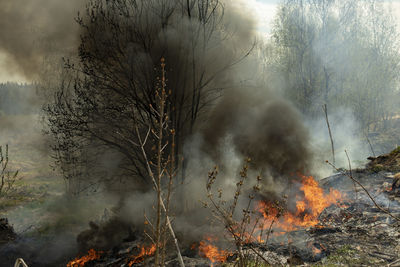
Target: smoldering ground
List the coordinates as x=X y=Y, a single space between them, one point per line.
x=47 y=231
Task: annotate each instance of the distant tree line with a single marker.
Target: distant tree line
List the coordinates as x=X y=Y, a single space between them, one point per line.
x=342 y=53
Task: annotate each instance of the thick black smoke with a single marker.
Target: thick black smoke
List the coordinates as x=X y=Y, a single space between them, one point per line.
x=269 y=131
x=261 y=126
x=257 y=123
x=123 y=46
x=32 y=29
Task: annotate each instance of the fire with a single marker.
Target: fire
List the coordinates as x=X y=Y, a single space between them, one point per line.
x=211 y=252
x=79 y=262
x=316 y=250
x=144 y=252
x=308 y=208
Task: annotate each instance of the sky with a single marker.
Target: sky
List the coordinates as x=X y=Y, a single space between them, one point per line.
x=263 y=10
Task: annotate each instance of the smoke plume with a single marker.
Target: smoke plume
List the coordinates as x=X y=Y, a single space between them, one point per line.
x=200 y=70
x=246 y=120
x=240 y=116
x=32 y=29
x=263 y=127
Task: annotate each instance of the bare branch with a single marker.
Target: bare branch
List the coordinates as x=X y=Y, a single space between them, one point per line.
x=366 y=191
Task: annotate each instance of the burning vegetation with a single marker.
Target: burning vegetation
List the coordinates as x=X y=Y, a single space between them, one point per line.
x=144 y=252
x=262 y=219
x=159 y=91
x=207 y=249
x=80 y=262
x=309 y=203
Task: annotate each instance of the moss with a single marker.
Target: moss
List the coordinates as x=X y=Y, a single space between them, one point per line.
x=395 y=151
x=377 y=168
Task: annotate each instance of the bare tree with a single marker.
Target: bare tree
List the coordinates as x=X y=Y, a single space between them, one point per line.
x=113 y=80
x=342 y=53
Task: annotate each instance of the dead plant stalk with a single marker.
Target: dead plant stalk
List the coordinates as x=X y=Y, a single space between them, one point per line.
x=237 y=229
x=161 y=169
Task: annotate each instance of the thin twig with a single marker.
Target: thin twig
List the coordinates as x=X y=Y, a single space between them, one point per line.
x=269 y=231
x=149 y=222
x=149 y=237
x=370 y=145
x=324 y=107
x=351 y=174
x=259 y=254
x=237 y=229
x=366 y=191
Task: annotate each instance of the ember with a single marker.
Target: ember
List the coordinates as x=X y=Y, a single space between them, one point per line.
x=308 y=208
x=144 y=252
x=79 y=262
x=316 y=250
x=211 y=252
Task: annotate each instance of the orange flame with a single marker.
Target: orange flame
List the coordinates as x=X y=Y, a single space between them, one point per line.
x=316 y=251
x=79 y=262
x=144 y=252
x=308 y=208
x=211 y=252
